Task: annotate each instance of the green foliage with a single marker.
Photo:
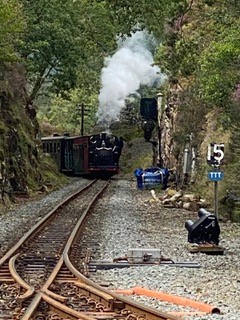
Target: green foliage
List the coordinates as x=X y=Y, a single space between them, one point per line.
x=203 y=47
x=63 y=39
x=151 y=15
x=51 y=174
x=11 y=26
x=64 y=115
x=219 y=70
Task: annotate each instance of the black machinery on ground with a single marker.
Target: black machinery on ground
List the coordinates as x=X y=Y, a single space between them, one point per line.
x=205 y=230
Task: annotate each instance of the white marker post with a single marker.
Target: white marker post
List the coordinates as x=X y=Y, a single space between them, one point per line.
x=215 y=156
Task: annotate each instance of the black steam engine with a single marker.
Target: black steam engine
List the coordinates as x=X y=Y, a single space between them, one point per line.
x=90 y=154
x=205 y=230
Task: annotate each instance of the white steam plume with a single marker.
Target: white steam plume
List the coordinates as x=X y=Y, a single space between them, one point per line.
x=124 y=72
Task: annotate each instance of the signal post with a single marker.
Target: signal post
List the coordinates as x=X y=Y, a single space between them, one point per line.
x=205 y=231
x=215 y=157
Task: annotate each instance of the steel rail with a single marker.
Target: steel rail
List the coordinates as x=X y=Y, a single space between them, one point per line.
x=115 y=299
x=8 y=272
x=40 y=224
x=47 y=295
x=112 y=298
x=114 y=303
x=29 y=289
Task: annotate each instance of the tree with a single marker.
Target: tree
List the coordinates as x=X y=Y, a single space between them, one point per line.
x=151 y=15
x=203 y=51
x=63 y=36
x=11 y=27
x=219 y=72
x=63 y=114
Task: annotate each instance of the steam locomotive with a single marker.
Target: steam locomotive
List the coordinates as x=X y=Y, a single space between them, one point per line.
x=95 y=155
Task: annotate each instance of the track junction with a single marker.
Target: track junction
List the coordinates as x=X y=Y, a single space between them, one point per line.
x=38 y=279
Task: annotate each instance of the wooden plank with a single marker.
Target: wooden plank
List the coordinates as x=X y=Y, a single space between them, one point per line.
x=206 y=248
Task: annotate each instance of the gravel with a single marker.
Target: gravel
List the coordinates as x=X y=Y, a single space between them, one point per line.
x=15 y=223
x=128 y=216
x=136 y=222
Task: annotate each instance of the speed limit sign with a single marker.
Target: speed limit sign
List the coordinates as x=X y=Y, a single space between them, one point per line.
x=215 y=153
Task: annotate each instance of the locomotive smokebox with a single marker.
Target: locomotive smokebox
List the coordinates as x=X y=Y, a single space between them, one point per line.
x=98 y=128
x=204 y=230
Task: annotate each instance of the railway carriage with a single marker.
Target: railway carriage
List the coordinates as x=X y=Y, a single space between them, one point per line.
x=59 y=147
x=96 y=154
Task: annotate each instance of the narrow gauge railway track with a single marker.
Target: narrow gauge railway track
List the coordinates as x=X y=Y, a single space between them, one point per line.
x=38 y=280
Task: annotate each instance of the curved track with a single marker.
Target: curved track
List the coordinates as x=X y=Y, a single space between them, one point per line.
x=38 y=280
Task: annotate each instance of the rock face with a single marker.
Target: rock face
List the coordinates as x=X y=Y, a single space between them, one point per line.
x=168 y=126
x=19 y=161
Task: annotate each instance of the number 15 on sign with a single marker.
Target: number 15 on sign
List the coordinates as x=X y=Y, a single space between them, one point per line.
x=215 y=153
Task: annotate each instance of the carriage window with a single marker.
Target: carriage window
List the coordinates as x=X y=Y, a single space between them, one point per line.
x=50 y=147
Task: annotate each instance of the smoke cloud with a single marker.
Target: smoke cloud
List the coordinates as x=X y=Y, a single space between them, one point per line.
x=124 y=72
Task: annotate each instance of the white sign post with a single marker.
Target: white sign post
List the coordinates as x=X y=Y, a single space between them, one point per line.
x=214 y=158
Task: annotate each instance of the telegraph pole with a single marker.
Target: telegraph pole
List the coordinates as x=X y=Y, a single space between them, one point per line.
x=82 y=111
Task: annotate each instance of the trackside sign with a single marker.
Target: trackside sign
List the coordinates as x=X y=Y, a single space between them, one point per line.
x=215 y=175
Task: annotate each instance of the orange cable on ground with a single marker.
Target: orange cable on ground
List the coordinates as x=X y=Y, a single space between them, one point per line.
x=204 y=307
